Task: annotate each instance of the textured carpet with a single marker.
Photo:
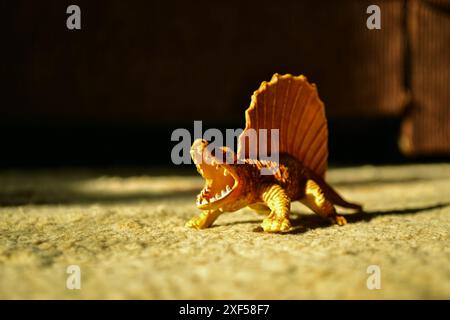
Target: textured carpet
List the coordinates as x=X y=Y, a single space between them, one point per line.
x=124 y=229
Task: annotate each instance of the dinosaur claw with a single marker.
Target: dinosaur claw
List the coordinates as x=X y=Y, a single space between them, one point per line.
x=190 y=224
x=203 y=220
x=339 y=220
x=275 y=224
x=196 y=223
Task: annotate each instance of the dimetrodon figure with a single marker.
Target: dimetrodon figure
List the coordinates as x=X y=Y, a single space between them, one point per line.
x=292 y=105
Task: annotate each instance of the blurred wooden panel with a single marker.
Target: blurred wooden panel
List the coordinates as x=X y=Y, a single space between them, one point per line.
x=164 y=62
x=426 y=128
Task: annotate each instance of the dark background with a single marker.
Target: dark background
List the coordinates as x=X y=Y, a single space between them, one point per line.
x=113 y=92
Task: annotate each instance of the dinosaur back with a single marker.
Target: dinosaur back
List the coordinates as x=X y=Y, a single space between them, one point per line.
x=292 y=105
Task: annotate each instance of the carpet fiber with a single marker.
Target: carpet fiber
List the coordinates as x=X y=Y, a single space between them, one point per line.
x=124 y=229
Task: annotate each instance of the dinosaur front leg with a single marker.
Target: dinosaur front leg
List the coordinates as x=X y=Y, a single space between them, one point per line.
x=279 y=203
x=316 y=200
x=204 y=219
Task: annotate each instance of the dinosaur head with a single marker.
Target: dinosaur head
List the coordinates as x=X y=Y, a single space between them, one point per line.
x=223 y=183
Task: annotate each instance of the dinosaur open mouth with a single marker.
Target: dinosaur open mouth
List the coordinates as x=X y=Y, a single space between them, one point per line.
x=219 y=184
x=217 y=168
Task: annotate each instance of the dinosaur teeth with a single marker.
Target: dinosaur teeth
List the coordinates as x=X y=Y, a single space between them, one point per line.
x=224 y=193
x=228 y=188
x=204 y=201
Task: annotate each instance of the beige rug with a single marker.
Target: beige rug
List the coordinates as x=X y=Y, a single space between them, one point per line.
x=124 y=229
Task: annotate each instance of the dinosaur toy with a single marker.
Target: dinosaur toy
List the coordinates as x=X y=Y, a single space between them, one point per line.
x=292 y=105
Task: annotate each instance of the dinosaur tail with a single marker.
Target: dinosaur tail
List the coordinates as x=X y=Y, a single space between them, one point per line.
x=339 y=201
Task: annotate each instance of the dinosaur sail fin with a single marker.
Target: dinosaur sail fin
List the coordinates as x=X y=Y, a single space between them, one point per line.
x=292 y=105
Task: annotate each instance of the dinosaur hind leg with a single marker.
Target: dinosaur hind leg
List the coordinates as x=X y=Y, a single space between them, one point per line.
x=316 y=200
x=334 y=197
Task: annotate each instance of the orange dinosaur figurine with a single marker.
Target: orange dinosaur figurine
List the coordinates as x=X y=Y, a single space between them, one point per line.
x=291 y=105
